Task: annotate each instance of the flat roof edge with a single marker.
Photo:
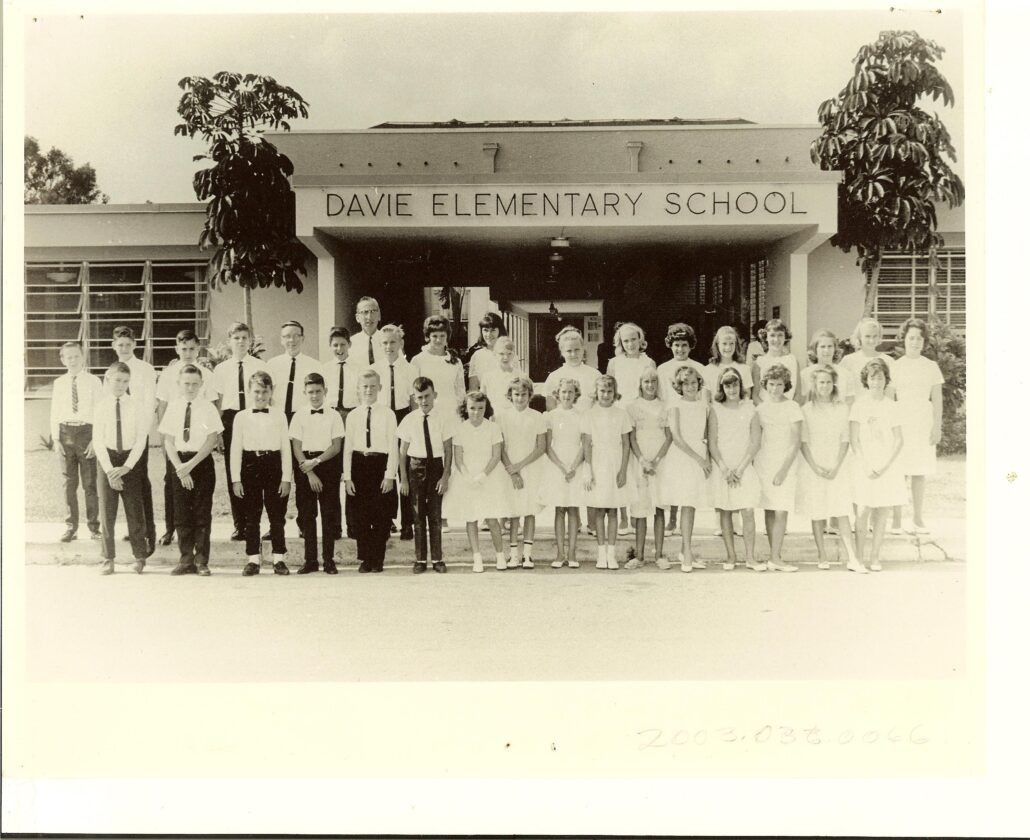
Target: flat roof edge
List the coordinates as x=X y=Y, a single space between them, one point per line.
x=75 y=209
x=550 y=128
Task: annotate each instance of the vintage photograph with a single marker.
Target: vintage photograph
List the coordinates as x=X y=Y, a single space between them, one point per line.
x=571 y=347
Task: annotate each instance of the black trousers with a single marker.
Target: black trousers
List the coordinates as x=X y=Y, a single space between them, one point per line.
x=171 y=479
x=373 y=509
x=261 y=473
x=426 y=503
x=193 y=511
x=236 y=505
x=309 y=503
x=132 y=499
x=407 y=514
x=148 y=499
x=76 y=468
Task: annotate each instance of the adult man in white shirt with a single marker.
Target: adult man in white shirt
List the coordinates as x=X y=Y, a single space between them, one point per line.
x=289 y=369
x=365 y=344
x=142 y=385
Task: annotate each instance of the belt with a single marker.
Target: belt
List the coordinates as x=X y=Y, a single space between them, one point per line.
x=423 y=460
x=313 y=454
x=119 y=451
x=75 y=423
x=186 y=455
x=368 y=454
x=261 y=453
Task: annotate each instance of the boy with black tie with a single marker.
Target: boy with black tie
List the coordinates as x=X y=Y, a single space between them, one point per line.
x=192 y=428
x=395 y=376
x=369 y=470
x=341 y=375
x=76 y=394
x=120 y=428
x=425 y=465
x=316 y=434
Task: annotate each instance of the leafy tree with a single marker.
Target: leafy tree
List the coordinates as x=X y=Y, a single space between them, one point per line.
x=892 y=153
x=250 y=211
x=53 y=178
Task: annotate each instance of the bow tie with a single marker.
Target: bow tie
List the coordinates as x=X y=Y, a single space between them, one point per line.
x=316 y=411
x=260 y=410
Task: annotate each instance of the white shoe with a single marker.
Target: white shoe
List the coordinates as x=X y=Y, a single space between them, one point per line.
x=718 y=532
x=633 y=563
x=728 y=566
x=445 y=529
x=896 y=532
x=824 y=564
x=698 y=564
x=875 y=567
x=910 y=527
x=557 y=564
x=855 y=566
x=676 y=532
x=613 y=563
x=624 y=531
x=602 y=558
x=477 y=562
x=684 y=565
x=514 y=562
x=758 y=567
x=662 y=563
x=781 y=567
x=573 y=564
x=501 y=565
x=527 y=562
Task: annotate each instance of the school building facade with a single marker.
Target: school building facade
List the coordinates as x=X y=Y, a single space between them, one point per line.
x=557 y=223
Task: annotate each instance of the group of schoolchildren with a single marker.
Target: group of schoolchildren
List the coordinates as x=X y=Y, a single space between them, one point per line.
x=748 y=430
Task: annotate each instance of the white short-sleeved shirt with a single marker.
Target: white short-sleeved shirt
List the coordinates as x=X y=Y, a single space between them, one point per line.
x=316 y=429
x=135 y=426
x=374 y=431
x=204 y=421
x=627 y=372
x=914 y=379
x=411 y=431
x=585 y=375
x=331 y=375
x=403 y=377
x=520 y=430
x=260 y=431
x=854 y=362
x=667 y=372
x=448 y=379
x=279 y=369
x=143 y=383
x=168 y=383
x=89 y=389
x=226 y=381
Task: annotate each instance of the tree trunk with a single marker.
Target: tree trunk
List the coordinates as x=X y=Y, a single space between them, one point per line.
x=870 y=290
x=931 y=285
x=248 y=309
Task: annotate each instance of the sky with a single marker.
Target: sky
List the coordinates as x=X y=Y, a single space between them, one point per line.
x=104 y=88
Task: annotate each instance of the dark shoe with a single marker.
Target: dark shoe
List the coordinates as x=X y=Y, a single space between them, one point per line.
x=68 y=536
x=107 y=567
x=167 y=537
x=94 y=535
x=329 y=567
x=150 y=549
x=280 y=568
x=251 y=569
x=418 y=568
x=137 y=567
x=407 y=535
x=351 y=535
x=378 y=567
x=307 y=569
x=338 y=535
x=238 y=536
x=364 y=568
x=203 y=570
x=267 y=535
x=393 y=528
x=440 y=567
x=185 y=569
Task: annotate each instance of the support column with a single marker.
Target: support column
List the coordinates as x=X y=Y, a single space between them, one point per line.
x=318 y=244
x=798 y=312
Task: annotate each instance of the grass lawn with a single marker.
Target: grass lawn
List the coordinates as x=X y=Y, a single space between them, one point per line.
x=945 y=492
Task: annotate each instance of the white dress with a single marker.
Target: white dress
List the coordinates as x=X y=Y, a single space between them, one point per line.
x=826 y=427
x=495 y=384
x=854 y=362
x=650 y=420
x=845 y=382
x=448 y=379
x=485 y=360
x=606 y=426
x=682 y=482
x=876 y=420
x=520 y=430
x=666 y=373
x=913 y=380
x=627 y=371
x=585 y=375
x=465 y=500
x=566 y=427
x=712 y=372
x=734 y=438
x=789 y=361
x=777 y=419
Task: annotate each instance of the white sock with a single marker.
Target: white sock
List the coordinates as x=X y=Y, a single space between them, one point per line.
x=527 y=549
x=254 y=558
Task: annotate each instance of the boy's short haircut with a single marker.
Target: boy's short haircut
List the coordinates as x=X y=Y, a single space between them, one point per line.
x=339 y=332
x=370 y=374
x=422 y=383
x=186 y=335
x=519 y=383
x=190 y=368
x=296 y=324
x=314 y=379
x=69 y=344
x=235 y=327
x=680 y=332
x=122 y=332
x=394 y=330
x=872 y=365
x=568 y=380
x=119 y=367
x=677 y=384
x=262 y=378
x=777 y=373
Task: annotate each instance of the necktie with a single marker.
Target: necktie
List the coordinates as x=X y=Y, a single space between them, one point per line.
x=186 y=423
x=316 y=411
x=368 y=429
x=118 y=423
x=239 y=387
x=393 y=391
x=339 y=396
x=289 y=386
x=429 y=439
x=75 y=395
x=371 y=358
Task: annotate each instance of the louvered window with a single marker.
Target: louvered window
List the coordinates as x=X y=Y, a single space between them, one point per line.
x=903 y=289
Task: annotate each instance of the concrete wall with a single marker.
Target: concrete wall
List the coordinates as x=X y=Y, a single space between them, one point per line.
x=836 y=291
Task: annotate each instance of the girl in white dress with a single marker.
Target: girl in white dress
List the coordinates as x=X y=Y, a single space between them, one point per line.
x=734 y=435
x=440 y=364
x=776 y=461
x=525 y=441
x=496 y=379
x=573 y=351
x=918 y=387
x=562 y=481
x=823 y=351
x=824 y=482
x=876 y=440
x=865 y=339
x=649 y=441
x=627 y=366
x=606 y=449
x=727 y=352
x=777 y=336
x=683 y=483
x=477 y=487
x=484 y=358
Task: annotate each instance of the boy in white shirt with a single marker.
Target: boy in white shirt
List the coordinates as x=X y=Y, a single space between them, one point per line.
x=120 y=430
x=396 y=376
x=192 y=428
